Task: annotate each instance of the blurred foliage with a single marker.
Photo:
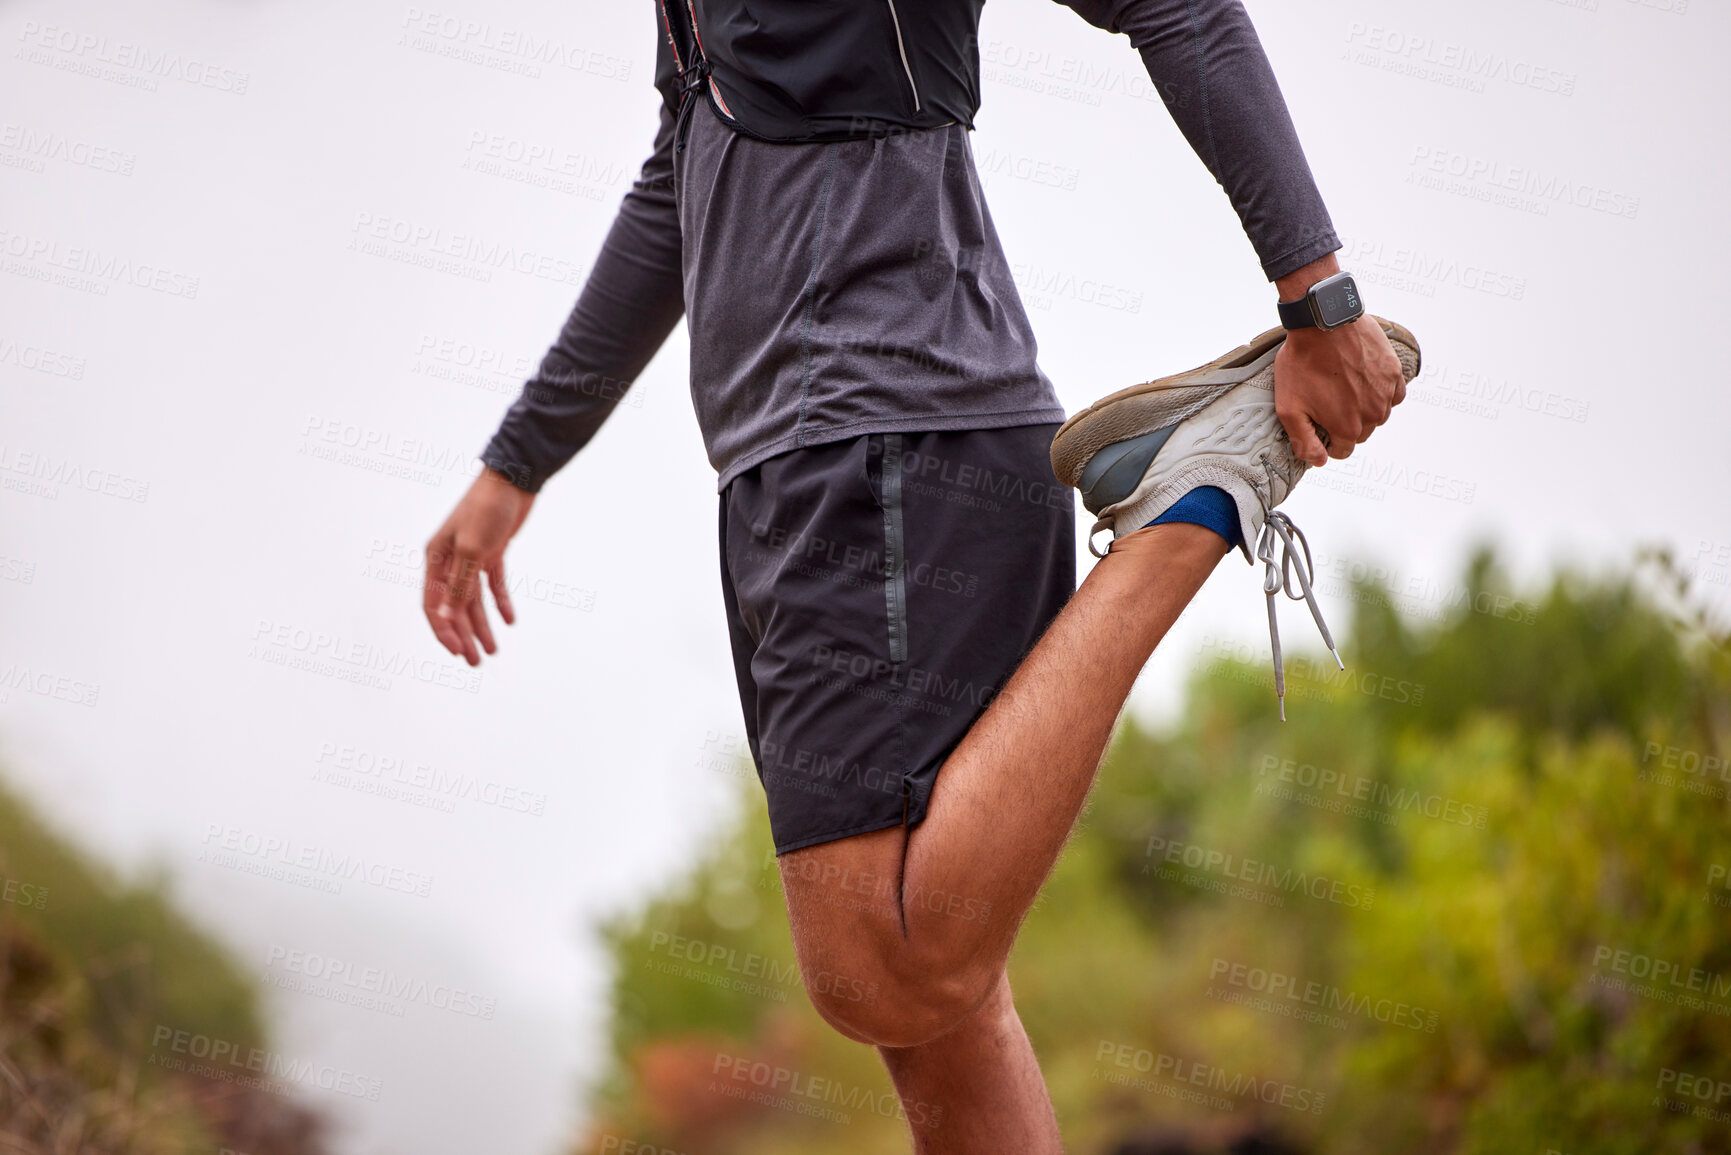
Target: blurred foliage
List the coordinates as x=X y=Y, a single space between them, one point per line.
x=1470 y=899
x=90 y=971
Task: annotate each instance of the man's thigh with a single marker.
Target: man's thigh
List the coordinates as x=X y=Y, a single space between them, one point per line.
x=880 y=592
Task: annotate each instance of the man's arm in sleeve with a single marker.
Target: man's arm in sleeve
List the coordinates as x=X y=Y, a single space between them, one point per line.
x=1331 y=389
x=632 y=300
x=1208 y=65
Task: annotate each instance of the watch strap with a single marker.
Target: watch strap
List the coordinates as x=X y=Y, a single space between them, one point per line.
x=1297 y=314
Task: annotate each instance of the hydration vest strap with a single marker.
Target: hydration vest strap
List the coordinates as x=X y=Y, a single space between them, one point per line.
x=687 y=45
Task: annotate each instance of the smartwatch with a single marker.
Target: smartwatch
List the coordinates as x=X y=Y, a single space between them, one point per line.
x=1331 y=303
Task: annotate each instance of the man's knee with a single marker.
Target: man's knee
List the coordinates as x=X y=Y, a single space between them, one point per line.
x=864 y=975
x=888 y=1009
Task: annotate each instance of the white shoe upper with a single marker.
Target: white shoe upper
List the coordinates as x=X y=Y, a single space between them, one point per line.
x=1235 y=443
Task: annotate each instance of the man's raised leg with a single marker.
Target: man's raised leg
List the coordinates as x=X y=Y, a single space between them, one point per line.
x=935 y=936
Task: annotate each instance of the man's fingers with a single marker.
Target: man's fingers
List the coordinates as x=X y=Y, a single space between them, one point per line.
x=1301 y=431
x=453 y=607
x=459 y=583
x=483 y=629
x=501 y=592
x=1345 y=439
x=438 y=561
x=462 y=629
x=433 y=591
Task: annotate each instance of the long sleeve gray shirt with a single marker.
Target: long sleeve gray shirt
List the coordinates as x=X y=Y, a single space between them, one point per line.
x=840 y=288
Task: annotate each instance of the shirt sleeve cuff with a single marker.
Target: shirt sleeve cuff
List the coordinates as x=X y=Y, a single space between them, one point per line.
x=1294 y=259
x=501 y=460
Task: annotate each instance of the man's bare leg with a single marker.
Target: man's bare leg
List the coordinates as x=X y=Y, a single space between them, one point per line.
x=987 y=1064
x=948 y=898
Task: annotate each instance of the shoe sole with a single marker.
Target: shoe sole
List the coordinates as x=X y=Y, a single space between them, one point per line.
x=1158 y=404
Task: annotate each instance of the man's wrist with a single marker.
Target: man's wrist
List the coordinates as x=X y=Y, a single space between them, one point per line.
x=507 y=478
x=1297 y=283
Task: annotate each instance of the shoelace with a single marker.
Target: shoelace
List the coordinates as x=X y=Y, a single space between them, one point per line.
x=1279 y=528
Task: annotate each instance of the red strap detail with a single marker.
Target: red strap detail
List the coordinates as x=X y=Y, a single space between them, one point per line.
x=667 y=23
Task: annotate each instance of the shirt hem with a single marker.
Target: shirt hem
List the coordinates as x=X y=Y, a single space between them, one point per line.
x=1009 y=419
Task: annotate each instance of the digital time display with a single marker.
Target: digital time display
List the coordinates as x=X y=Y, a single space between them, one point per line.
x=1338 y=303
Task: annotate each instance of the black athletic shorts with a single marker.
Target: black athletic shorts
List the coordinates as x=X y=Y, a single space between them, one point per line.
x=880 y=591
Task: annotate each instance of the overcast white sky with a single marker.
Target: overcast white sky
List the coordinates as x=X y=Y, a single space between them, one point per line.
x=185 y=313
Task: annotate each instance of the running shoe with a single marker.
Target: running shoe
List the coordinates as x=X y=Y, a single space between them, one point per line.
x=1134 y=453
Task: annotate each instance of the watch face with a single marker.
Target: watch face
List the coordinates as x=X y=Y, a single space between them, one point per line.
x=1337 y=301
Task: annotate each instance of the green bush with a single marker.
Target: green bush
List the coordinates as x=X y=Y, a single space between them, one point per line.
x=89 y=969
